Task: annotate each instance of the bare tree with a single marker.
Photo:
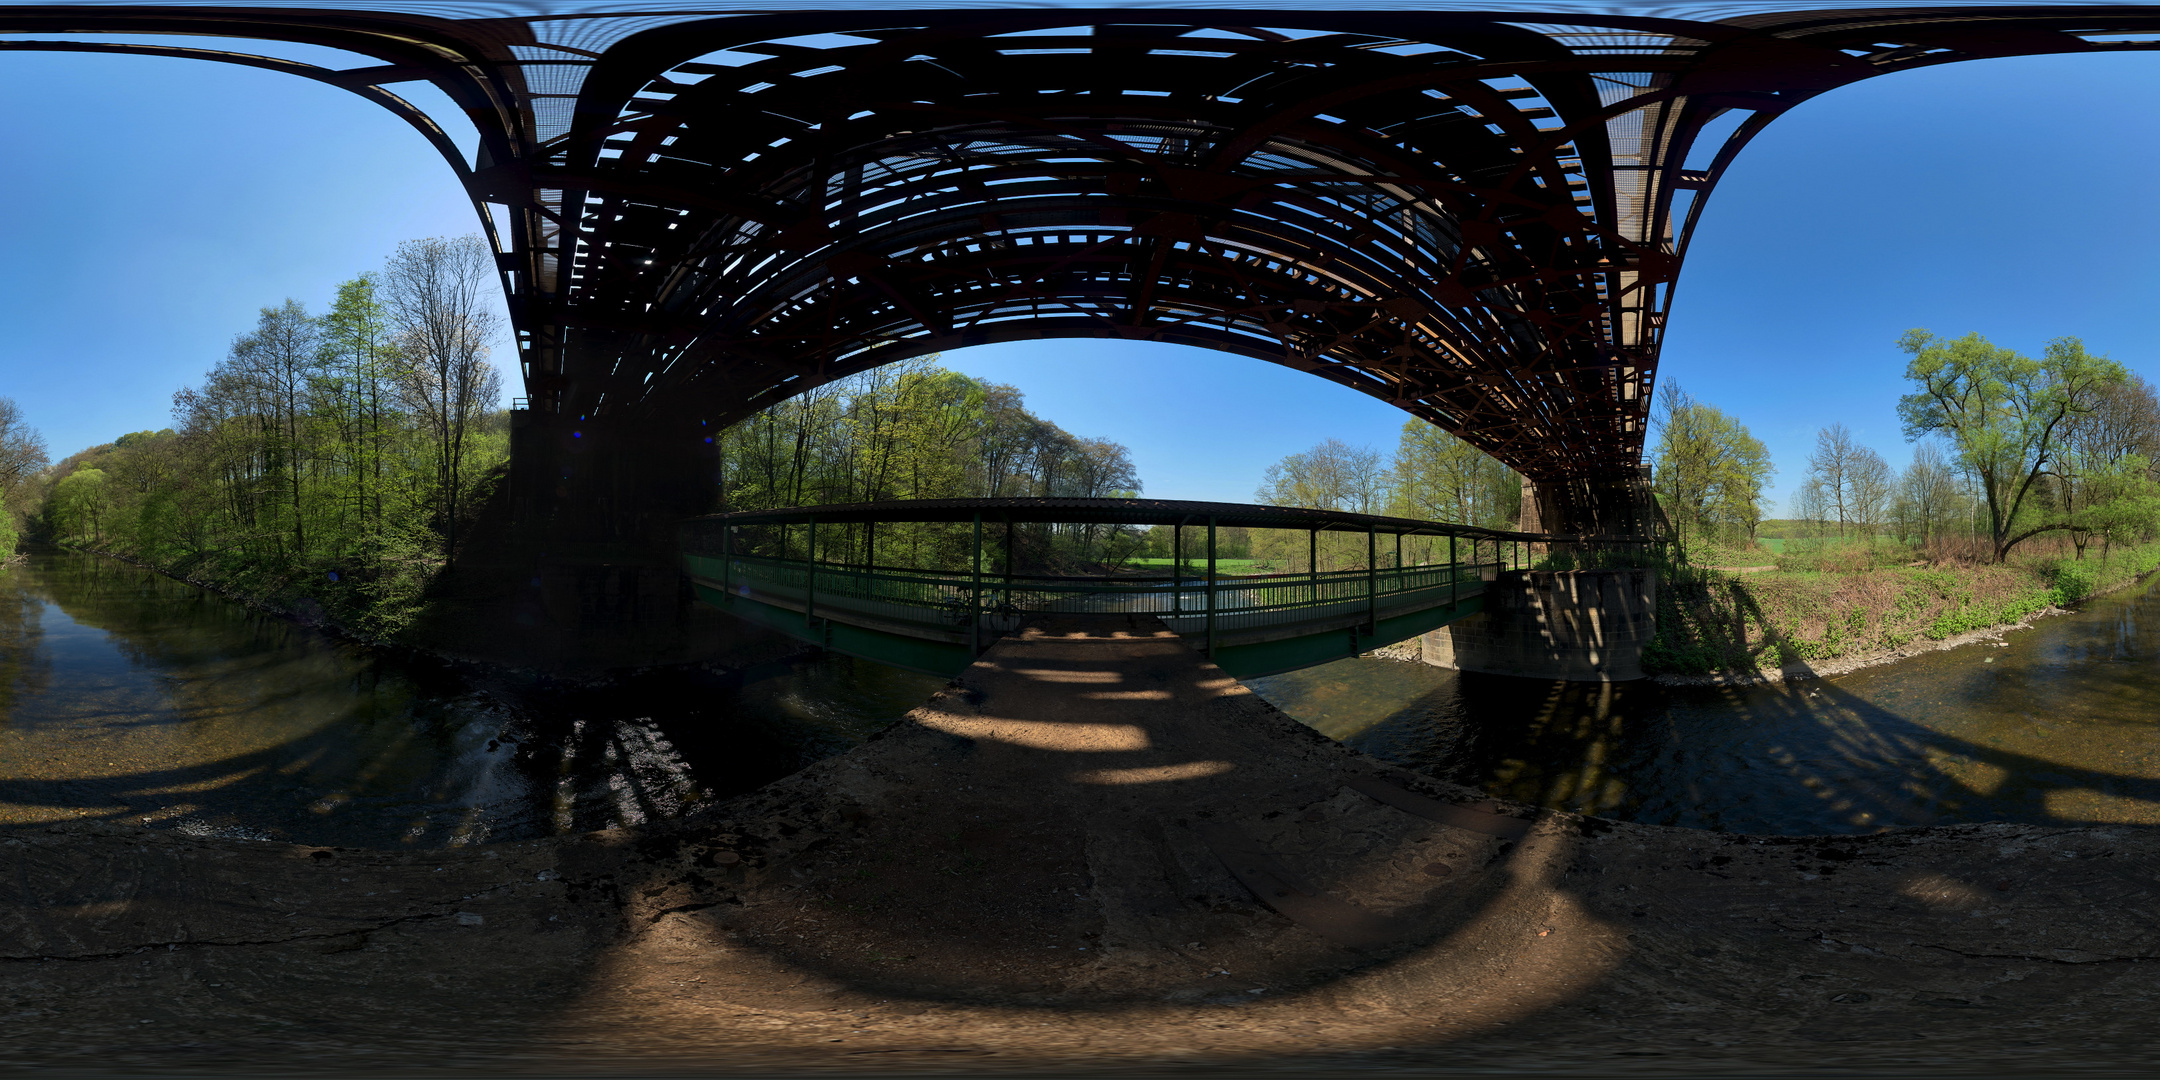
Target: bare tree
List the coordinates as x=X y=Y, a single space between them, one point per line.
x=1829 y=473
x=22 y=450
x=1868 y=490
x=1331 y=476
x=436 y=294
x=1928 y=493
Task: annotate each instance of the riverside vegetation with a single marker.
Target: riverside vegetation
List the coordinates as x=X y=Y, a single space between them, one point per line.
x=336 y=464
x=2033 y=485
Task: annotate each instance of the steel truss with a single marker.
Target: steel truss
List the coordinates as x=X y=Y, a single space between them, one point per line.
x=703 y=209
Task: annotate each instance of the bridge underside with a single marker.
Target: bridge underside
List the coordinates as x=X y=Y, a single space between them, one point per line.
x=1475 y=215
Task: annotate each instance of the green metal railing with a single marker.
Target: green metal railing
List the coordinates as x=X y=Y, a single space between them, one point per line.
x=969 y=606
x=952 y=615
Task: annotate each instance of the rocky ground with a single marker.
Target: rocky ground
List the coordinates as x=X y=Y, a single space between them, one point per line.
x=1093 y=852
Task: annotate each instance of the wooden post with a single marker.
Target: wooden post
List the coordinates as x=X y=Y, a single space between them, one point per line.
x=809 y=604
x=1454 y=574
x=727 y=562
x=1008 y=562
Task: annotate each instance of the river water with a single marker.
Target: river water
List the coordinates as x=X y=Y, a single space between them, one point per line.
x=127 y=696
x=2062 y=726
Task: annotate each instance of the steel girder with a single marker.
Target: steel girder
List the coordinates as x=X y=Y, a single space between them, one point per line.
x=1478 y=216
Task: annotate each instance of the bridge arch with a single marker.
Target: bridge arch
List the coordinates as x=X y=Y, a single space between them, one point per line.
x=1476 y=215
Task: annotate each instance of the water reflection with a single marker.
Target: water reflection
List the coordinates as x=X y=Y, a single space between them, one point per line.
x=127 y=696
x=2057 y=727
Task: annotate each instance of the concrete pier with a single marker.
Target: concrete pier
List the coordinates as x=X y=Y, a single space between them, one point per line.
x=1576 y=625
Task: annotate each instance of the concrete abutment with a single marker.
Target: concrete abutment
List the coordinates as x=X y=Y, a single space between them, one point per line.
x=1576 y=625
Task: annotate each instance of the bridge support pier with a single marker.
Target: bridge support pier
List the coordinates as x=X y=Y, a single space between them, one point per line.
x=1576 y=625
x=593 y=506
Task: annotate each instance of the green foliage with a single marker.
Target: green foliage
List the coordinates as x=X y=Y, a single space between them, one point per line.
x=2008 y=416
x=914 y=430
x=2074 y=580
x=1820 y=615
x=321 y=465
x=1438 y=477
x=1710 y=470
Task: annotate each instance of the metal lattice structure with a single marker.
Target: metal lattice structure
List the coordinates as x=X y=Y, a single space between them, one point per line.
x=1478 y=216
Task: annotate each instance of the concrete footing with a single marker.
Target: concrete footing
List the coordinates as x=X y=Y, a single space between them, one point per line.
x=1578 y=625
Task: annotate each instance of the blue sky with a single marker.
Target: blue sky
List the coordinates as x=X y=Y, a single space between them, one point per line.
x=154 y=205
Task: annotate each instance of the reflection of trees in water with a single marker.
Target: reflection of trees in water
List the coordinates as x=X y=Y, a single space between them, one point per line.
x=24 y=667
x=245 y=724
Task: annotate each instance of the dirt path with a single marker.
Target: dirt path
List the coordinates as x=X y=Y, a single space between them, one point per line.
x=1093 y=851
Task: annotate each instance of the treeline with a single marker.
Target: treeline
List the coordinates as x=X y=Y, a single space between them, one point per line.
x=22 y=457
x=2010 y=448
x=347 y=446
x=915 y=430
x=1432 y=476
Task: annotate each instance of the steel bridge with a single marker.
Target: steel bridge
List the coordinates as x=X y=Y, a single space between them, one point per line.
x=938 y=620
x=1474 y=211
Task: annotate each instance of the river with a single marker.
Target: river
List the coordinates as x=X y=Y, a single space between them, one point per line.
x=127 y=696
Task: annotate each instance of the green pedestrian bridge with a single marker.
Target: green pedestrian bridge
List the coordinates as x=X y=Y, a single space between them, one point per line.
x=831 y=575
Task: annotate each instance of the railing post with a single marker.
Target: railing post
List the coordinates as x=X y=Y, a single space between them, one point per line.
x=1454 y=573
x=1211 y=585
x=727 y=562
x=1312 y=562
x=975 y=596
x=1177 y=556
x=1009 y=564
x=809 y=605
x=1372 y=581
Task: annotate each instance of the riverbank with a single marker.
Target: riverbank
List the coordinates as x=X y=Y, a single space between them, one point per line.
x=1798 y=621
x=982 y=889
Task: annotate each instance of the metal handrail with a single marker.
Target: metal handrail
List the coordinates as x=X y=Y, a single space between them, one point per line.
x=956 y=599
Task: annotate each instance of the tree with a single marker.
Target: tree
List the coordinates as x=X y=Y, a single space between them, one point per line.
x=1868 y=490
x=2006 y=414
x=1331 y=476
x=1710 y=470
x=275 y=365
x=2104 y=475
x=1438 y=477
x=81 y=498
x=1830 y=473
x=435 y=294
x=1927 y=493
x=22 y=454
x=357 y=393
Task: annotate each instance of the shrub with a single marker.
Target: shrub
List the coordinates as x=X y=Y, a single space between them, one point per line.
x=2074 y=580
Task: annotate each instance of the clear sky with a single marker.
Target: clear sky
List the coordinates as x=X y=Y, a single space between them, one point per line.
x=154 y=205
